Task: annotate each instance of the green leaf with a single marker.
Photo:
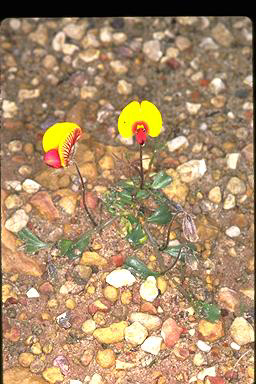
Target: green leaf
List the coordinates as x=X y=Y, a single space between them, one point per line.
x=124 y=197
x=137 y=236
x=73 y=249
x=64 y=246
x=132 y=219
x=32 y=242
x=137 y=266
x=174 y=250
x=211 y=312
x=162 y=216
x=126 y=184
x=142 y=194
x=161 y=180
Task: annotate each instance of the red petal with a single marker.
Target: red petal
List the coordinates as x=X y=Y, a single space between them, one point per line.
x=52 y=158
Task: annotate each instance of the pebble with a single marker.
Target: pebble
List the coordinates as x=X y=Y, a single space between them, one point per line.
x=58 y=41
x=61 y=362
x=105 y=35
x=30 y=186
x=193 y=108
x=69 y=49
x=32 y=293
x=75 y=31
x=249 y=292
x=208 y=44
x=214 y=195
x=26 y=94
x=70 y=287
x=170 y=332
x=126 y=297
x=148 y=289
x=26 y=358
x=162 y=284
x=49 y=62
x=25 y=170
x=89 y=326
x=229 y=202
x=236 y=186
x=89 y=171
x=13 y=201
x=182 y=43
x=17 y=221
x=110 y=293
x=151 y=322
x=70 y=304
x=93 y=258
x=63 y=319
x=36 y=348
x=135 y=333
x=241 y=331
x=87 y=357
x=191 y=170
x=97 y=379
x=21 y=375
x=198 y=359
x=42 y=201
x=106 y=162
x=217 y=86
x=222 y=35
x=210 y=331
x=204 y=347
x=40 y=35
x=228 y=299
x=118 y=67
x=10 y=109
x=218 y=101
x=88 y=92
x=8 y=292
x=15 y=146
x=112 y=334
x=152 y=345
x=152 y=49
x=53 y=375
x=248 y=152
x=89 y=55
x=232 y=159
x=75 y=382
x=177 y=190
x=233 y=231
x=15 y=24
x=124 y=88
x=248 y=80
x=179 y=142
x=119 y=37
x=120 y=278
x=235 y=346
x=106 y=358
x=211 y=371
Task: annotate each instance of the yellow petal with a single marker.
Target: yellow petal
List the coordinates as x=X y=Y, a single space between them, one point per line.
x=55 y=133
x=152 y=116
x=130 y=114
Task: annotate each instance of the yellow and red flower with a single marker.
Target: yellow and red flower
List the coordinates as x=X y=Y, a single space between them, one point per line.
x=140 y=119
x=59 y=143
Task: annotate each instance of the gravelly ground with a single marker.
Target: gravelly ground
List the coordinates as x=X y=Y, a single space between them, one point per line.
x=198 y=71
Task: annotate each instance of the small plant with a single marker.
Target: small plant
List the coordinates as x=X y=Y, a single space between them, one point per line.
x=137 y=202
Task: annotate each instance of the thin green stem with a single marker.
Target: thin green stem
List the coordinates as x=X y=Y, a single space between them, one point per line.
x=141 y=169
x=165 y=245
x=83 y=196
